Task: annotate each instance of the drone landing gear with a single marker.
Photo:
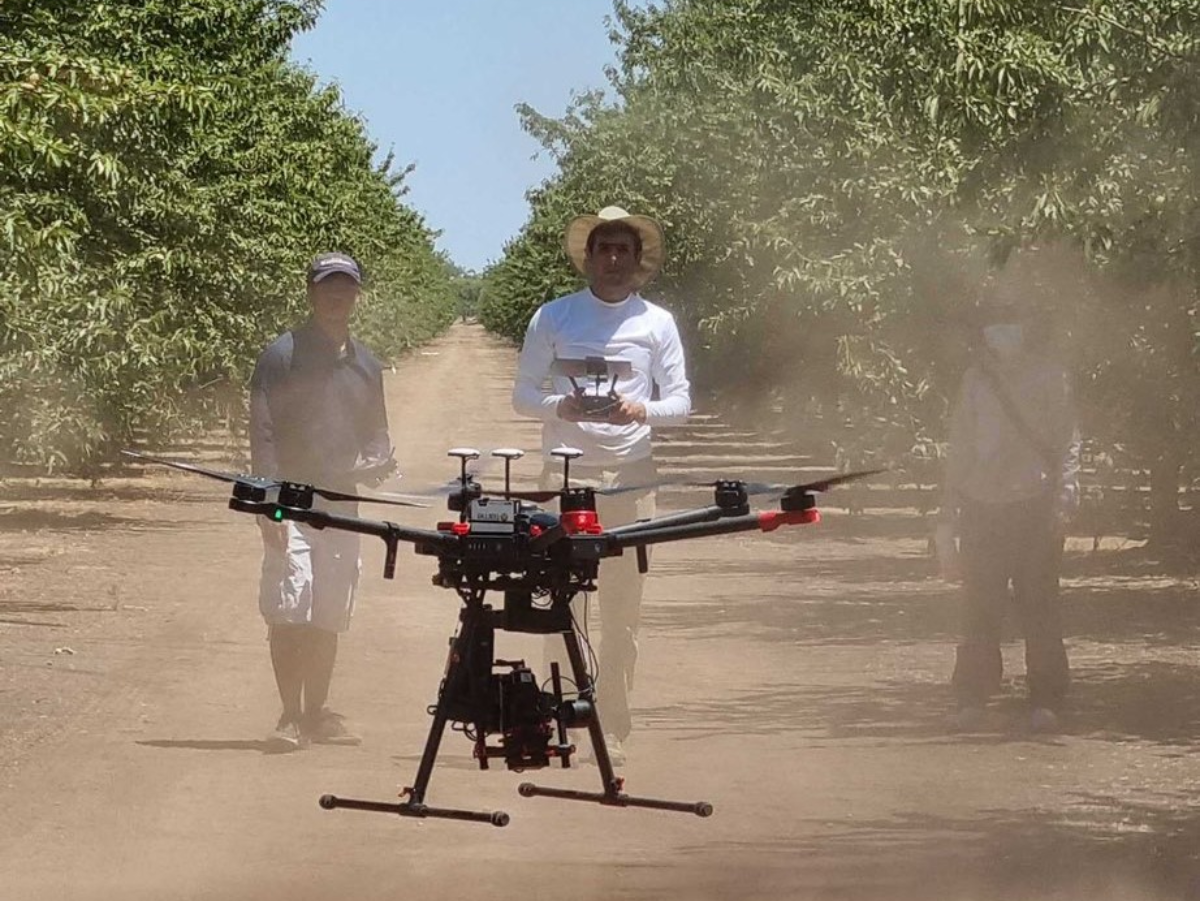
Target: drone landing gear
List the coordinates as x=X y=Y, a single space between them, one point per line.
x=615 y=798
x=472 y=641
x=473 y=644
x=613 y=794
x=411 y=809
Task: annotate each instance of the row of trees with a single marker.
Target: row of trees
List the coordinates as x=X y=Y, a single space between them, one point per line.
x=165 y=175
x=837 y=177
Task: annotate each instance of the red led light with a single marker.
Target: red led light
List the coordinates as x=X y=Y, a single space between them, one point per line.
x=585 y=521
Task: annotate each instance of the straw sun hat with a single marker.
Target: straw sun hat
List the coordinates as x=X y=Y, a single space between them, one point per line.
x=653 y=250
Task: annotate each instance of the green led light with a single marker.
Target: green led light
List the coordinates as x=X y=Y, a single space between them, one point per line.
x=277 y=514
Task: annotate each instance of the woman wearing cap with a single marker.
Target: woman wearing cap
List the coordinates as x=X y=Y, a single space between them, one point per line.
x=618 y=253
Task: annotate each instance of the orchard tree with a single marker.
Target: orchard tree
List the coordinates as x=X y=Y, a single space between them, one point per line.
x=837 y=177
x=165 y=174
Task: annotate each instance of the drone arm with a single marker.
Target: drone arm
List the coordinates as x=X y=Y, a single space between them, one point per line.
x=321 y=519
x=763 y=522
x=391 y=533
x=704 y=514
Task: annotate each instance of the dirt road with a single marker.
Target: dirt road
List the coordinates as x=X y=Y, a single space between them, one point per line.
x=795 y=680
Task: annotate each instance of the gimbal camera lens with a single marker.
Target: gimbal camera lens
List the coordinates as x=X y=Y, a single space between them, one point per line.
x=576 y=714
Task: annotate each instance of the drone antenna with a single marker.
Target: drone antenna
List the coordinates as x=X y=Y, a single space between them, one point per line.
x=508 y=454
x=566 y=454
x=465 y=455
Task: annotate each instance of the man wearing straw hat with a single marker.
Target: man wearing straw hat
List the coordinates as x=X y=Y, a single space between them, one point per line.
x=618 y=253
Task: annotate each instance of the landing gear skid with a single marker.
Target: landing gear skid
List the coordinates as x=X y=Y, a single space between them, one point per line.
x=476 y=616
x=411 y=809
x=615 y=798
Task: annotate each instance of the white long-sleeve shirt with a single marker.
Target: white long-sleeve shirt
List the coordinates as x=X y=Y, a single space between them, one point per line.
x=991 y=460
x=582 y=325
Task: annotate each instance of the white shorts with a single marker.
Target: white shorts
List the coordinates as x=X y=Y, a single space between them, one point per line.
x=312 y=581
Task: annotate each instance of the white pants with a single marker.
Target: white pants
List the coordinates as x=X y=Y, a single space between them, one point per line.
x=619 y=589
x=313 y=580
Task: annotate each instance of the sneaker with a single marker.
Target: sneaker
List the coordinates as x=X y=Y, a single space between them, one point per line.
x=286 y=736
x=1043 y=720
x=968 y=719
x=329 y=728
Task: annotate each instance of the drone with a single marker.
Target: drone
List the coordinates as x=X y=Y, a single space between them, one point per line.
x=538 y=561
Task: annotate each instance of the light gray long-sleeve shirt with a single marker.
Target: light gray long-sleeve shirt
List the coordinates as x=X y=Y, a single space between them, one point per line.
x=991 y=459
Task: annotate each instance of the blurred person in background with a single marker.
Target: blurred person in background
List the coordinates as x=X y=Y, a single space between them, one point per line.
x=317 y=416
x=1010 y=486
x=618 y=253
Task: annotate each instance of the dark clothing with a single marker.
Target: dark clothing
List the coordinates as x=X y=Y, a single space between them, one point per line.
x=316 y=414
x=1018 y=542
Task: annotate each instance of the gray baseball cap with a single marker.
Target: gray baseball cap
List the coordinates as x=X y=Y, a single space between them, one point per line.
x=328 y=264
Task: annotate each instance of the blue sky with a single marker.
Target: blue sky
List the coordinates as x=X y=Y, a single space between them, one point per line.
x=437 y=82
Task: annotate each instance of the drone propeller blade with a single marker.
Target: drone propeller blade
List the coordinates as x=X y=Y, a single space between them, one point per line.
x=826 y=484
x=538 y=497
x=625 y=489
x=262 y=482
x=449 y=488
x=200 y=470
x=454 y=485
x=380 y=498
x=754 y=488
x=549 y=494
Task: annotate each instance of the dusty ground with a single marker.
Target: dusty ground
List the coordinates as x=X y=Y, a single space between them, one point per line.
x=796 y=681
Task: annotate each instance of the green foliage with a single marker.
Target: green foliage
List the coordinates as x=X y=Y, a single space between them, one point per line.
x=165 y=174
x=837 y=177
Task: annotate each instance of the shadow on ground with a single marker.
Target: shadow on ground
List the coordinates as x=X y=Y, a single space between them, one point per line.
x=87 y=521
x=1099 y=846
x=213 y=744
x=1152 y=702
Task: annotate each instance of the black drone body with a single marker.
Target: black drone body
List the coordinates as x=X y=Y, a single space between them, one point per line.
x=539 y=561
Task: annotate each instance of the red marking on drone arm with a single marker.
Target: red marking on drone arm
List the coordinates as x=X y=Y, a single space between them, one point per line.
x=773 y=519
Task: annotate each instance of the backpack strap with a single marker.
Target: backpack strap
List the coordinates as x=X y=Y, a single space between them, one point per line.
x=1000 y=390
